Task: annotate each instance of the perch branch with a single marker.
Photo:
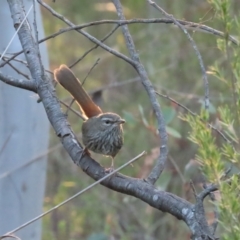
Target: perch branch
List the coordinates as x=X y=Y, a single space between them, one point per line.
x=73 y=197
x=160 y=163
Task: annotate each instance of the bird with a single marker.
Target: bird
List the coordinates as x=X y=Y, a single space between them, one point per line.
x=101 y=132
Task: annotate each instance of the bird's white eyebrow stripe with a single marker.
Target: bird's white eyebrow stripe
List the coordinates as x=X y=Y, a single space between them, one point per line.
x=108 y=119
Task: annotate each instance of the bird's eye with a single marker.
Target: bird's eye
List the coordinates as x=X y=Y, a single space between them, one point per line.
x=107 y=122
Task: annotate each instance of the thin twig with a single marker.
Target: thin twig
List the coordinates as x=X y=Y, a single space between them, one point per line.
x=193 y=189
x=77 y=113
x=176 y=102
x=112 y=85
x=74 y=196
x=17 y=70
x=160 y=163
x=87 y=35
x=90 y=70
x=6 y=58
x=177 y=168
x=16 y=32
x=189 y=25
x=214 y=187
x=20 y=83
x=69 y=107
x=210 y=188
x=195 y=114
x=94 y=47
x=10 y=59
x=116 y=84
x=205 y=80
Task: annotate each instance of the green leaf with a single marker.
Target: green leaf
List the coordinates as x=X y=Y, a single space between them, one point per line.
x=145 y=122
x=212 y=109
x=169 y=114
x=171 y=131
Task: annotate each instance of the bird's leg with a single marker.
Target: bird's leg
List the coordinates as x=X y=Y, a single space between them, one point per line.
x=109 y=170
x=84 y=151
x=112 y=163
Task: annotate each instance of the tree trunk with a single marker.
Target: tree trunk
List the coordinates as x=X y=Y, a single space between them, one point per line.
x=24 y=136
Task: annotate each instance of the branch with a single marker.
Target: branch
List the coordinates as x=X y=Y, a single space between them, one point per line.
x=20 y=83
x=94 y=47
x=188 y=25
x=159 y=166
x=205 y=80
x=195 y=114
x=73 y=197
x=69 y=108
x=87 y=35
x=208 y=189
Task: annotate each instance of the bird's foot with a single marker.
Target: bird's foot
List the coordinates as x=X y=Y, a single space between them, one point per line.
x=109 y=170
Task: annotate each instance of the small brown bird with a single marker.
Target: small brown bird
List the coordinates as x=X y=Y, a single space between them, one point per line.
x=101 y=132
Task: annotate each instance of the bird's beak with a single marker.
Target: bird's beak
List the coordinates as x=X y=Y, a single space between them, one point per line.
x=121 y=121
